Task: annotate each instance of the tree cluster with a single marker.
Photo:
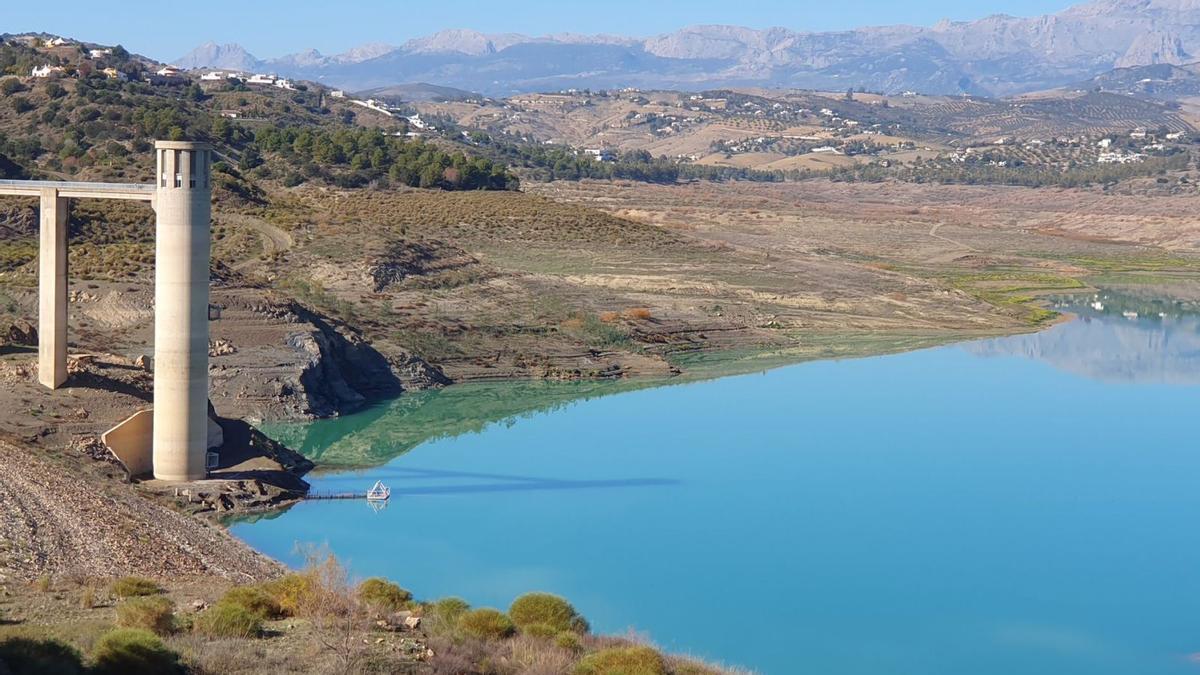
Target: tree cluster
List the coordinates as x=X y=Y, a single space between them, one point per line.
x=363 y=155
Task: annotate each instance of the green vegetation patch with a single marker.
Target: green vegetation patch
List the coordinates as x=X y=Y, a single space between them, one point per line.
x=254 y=599
x=131 y=651
x=486 y=624
x=154 y=613
x=228 y=620
x=128 y=587
x=622 y=661
x=546 y=611
x=383 y=595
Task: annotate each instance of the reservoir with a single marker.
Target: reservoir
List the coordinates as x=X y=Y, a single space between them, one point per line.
x=1024 y=504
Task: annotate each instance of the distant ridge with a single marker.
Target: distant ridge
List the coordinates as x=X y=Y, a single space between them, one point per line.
x=420 y=92
x=997 y=55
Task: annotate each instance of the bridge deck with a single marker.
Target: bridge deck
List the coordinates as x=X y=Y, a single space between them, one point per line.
x=79 y=190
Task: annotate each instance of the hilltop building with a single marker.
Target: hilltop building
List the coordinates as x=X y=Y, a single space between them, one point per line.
x=47 y=71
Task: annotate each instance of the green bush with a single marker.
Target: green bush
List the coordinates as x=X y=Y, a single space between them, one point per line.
x=254 y=599
x=443 y=615
x=486 y=624
x=569 y=640
x=539 y=630
x=622 y=661
x=229 y=621
x=132 y=651
x=291 y=592
x=547 y=609
x=155 y=614
x=128 y=587
x=35 y=657
x=450 y=608
x=383 y=596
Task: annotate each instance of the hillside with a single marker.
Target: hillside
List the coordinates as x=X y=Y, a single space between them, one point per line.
x=996 y=55
x=1163 y=81
x=1057 y=137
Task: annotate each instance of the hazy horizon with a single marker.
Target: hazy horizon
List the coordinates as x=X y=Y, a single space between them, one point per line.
x=272 y=29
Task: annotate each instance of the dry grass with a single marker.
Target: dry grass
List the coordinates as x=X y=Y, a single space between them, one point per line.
x=153 y=613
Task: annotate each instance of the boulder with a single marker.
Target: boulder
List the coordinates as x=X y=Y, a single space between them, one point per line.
x=21 y=332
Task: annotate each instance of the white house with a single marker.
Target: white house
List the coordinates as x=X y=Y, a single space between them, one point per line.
x=372 y=105
x=602 y=154
x=47 y=70
x=213 y=76
x=285 y=84
x=58 y=42
x=99 y=53
x=169 y=71
x=337 y=93
x=258 y=78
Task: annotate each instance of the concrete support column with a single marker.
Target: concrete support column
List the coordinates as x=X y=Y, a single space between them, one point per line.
x=52 y=290
x=181 y=295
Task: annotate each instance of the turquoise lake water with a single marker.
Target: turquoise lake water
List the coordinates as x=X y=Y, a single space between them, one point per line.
x=1019 y=505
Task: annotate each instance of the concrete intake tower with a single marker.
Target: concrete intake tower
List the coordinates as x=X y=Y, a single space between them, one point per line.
x=181 y=262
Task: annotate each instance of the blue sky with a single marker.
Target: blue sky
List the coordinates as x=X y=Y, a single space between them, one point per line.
x=165 y=29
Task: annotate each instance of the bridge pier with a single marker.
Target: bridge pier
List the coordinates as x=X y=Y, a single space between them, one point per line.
x=52 y=290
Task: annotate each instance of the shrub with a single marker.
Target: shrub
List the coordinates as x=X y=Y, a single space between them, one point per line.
x=569 y=640
x=622 y=661
x=12 y=86
x=128 y=587
x=291 y=592
x=383 y=596
x=255 y=600
x=155 y=614
x=34 y=657
x=539 y=630
x=131 y=651
x=486 y=624
x=229 y=621
x=642 y=313
x=443 y=615
x=450 y=608
x=544 y=608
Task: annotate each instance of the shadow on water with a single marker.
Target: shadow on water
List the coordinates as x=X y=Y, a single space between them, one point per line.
x=503 y=482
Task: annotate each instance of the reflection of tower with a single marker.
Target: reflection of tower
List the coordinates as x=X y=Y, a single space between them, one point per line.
x=181 y=272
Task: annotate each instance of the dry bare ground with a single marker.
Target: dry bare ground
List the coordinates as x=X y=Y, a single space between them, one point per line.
x=59 y=519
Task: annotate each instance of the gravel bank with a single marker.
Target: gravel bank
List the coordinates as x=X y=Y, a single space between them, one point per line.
x=63 y=520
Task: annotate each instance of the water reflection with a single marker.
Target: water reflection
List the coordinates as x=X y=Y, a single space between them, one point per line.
x=1116 y=338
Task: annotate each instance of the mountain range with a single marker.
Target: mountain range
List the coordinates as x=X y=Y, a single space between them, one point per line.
x=997 y=55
